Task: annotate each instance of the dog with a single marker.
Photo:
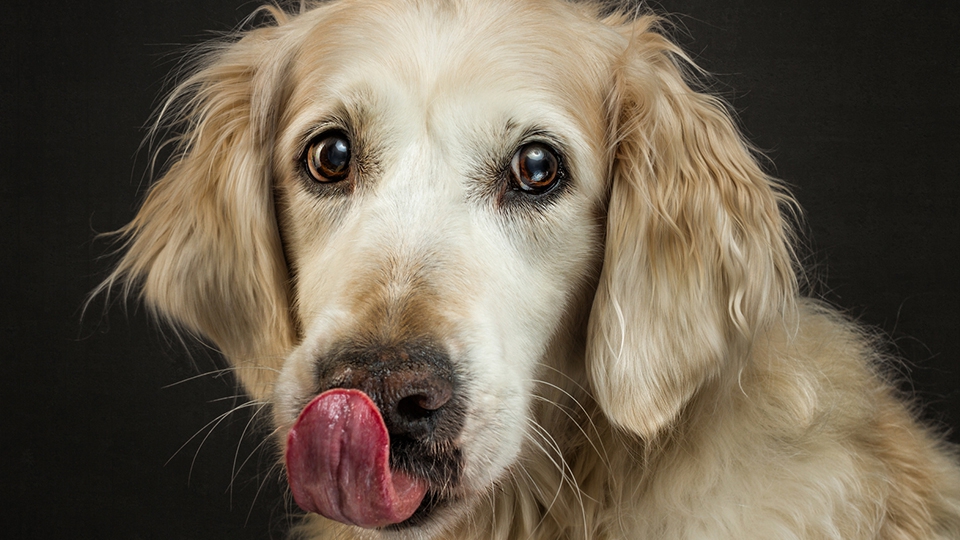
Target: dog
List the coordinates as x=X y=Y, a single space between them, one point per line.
x=504 y=272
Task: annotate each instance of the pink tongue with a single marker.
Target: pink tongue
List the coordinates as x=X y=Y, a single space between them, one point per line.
x=338 y=463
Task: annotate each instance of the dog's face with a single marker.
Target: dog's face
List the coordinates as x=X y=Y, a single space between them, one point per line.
x=440 y=191
x=396 y=219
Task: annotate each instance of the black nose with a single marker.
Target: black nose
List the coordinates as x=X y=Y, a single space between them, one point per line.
x=413 y=385
x=411 y=398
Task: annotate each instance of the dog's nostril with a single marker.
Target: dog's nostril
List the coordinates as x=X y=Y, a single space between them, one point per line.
x=422 y=403
x=415 y=407
x=418 y=402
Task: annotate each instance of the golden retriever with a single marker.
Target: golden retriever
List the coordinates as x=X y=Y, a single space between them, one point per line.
x=504 y=273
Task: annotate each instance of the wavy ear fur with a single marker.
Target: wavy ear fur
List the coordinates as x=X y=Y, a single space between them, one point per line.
x=204 y=249
x=697 y=257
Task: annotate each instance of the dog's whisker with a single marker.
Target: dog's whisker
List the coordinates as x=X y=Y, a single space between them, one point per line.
x=221 y=399
x=593 y=441
x=600 y=451
x=219 y=373
x=527 y=480
x=521 y=481
x=567 y=474
x=524 y=483
x=266 y=477
x=234 y=470
x=555 y=455
x=209 y=427
x=267 y=439
x=566 y=376
x=490 y=496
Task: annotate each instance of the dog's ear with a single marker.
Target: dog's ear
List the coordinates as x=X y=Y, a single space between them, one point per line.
x=697 y=257
x=204 y=249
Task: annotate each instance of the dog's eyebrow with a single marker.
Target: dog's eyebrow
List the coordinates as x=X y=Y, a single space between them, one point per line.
x=539 y=134
x=338 y=119
x=354 y=117
x=513 y=135
x=351 y=110
x=315 y=130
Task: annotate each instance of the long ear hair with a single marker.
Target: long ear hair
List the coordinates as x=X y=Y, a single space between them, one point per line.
x=204 y=250
x=697 y=257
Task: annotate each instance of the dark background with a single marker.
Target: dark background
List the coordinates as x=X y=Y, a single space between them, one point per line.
x=855 y=102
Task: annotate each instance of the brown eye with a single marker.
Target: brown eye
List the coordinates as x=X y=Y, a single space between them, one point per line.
x=535 y=168
x=328 y=157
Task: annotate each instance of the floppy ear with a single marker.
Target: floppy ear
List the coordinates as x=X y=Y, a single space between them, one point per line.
x=204 y=249
x=697 y=257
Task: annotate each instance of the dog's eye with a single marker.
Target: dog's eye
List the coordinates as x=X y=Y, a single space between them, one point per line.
x=535 y=168
x=328 y=157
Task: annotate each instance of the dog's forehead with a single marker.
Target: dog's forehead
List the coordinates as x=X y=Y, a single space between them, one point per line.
x=451 y=62
x=417 y=37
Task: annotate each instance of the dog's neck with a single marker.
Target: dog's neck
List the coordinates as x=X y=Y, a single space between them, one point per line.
x=576 y=465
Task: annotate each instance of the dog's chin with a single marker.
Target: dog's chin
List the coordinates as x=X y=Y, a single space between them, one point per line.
x=437 y=515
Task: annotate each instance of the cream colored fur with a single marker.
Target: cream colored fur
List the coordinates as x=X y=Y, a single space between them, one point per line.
x=639 y=362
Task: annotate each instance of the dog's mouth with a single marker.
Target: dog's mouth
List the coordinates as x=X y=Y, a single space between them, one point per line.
x=343 y=464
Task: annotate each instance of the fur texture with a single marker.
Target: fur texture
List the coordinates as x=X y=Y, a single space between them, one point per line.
x=635 y=356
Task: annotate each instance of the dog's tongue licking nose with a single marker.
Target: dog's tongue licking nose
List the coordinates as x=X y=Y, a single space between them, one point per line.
x=338 y=463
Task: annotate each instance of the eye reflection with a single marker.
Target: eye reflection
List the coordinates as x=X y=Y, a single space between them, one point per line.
x=534 y=167
x=328 y=157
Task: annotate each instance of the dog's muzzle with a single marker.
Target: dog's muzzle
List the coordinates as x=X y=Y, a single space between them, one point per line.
x=377 y=447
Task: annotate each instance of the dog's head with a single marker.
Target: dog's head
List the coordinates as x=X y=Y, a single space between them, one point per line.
x=391 y=216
